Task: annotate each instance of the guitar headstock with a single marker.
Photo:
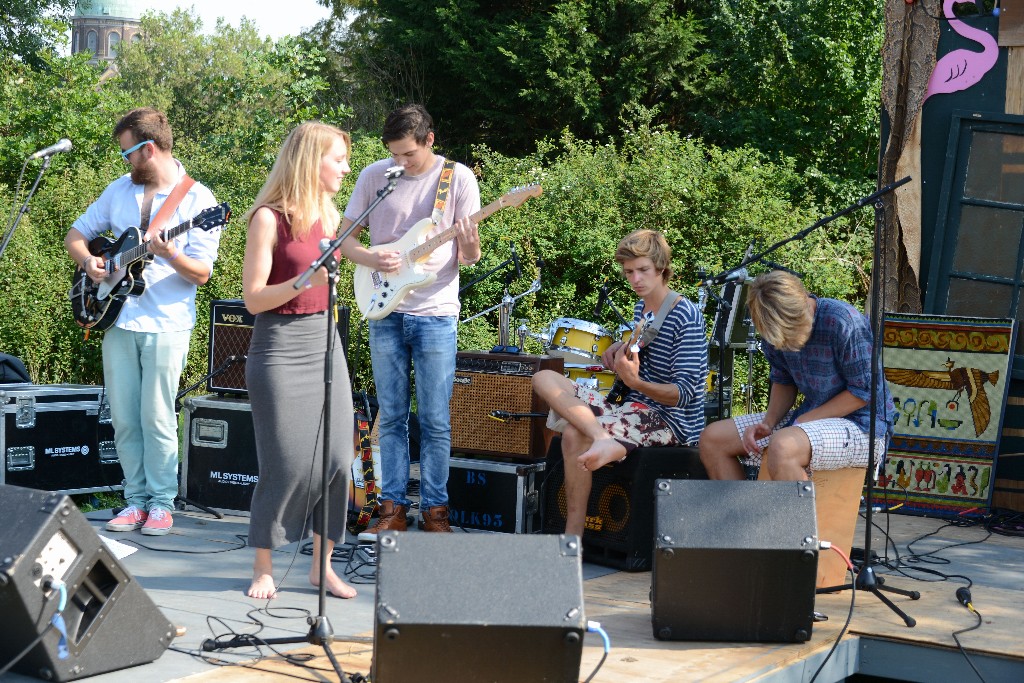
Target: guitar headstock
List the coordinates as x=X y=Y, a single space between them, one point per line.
x=213 y=217
x=518 y=195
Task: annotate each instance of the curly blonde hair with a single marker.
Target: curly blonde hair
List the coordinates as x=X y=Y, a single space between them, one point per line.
x=646 y=243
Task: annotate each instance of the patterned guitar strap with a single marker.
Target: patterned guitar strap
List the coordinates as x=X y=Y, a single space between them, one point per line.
x=369 y=481
x=444 y=183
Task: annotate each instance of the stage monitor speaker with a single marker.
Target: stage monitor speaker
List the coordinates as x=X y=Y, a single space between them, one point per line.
x=734 y=561
x=465 y=608
x=485 y=382
x=108 y=621
x=619 y=528
x=230 y=333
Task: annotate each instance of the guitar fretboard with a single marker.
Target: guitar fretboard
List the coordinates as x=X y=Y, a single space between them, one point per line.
x=136 y=253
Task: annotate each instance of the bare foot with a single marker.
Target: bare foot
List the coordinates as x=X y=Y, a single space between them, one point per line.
x=600 y=453
x=335 y=585
x=262 y=587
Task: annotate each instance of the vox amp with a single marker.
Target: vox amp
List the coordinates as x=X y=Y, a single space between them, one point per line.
x=230 y=333
x=489 y=382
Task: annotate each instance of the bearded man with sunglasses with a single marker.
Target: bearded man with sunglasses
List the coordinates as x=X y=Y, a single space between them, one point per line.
x=144 y=351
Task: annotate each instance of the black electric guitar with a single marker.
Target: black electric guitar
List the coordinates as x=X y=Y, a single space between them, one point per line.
x=636 y=342
x=96 y=305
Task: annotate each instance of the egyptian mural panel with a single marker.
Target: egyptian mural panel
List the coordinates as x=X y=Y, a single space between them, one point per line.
x=949 y=378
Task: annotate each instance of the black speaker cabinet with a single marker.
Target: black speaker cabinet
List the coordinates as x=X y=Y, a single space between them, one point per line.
x=230 y=333
x=734 y=561
x=485 y=382
x=109 y=620
x=219 y=468
x=620 y=513
x=465 y=608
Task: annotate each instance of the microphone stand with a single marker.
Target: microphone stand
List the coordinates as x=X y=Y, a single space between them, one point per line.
x=865 y=578
x=320 y=631
x=24 y=207
x=722 y=277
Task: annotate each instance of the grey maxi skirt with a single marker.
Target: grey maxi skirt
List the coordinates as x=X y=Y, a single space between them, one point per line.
x=284 y=374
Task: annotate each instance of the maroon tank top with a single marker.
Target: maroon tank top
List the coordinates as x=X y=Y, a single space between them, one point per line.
x=291 y=258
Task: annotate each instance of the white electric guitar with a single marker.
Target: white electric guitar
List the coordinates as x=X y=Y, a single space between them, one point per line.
x=378 y=294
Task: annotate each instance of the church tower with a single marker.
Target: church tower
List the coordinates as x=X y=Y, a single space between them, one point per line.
x=99 y=26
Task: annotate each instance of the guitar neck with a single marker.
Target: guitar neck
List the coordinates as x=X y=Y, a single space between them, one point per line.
x=418 y=252
x=138 y=252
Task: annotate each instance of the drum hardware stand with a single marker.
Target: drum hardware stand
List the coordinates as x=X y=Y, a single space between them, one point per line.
x=507 y=304
x=722 y=309
x=320 y=631
x=507 y=301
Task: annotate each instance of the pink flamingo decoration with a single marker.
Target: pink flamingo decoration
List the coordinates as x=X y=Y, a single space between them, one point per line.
x=960 y=69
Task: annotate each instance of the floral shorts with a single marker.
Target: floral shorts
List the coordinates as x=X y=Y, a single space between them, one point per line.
x=633 y=424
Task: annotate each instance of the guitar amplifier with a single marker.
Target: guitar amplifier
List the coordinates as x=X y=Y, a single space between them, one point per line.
x=230 y=333
x=485 y=382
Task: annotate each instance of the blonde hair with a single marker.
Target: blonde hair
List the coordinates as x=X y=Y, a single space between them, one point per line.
x=650 y=244
x=293 y=186
x=780 y=310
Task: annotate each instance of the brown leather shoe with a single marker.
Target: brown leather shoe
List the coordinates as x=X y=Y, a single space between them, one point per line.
x=435 y=519
x=392 y=518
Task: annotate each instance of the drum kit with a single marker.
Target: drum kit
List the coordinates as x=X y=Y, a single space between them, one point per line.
x=579 y=343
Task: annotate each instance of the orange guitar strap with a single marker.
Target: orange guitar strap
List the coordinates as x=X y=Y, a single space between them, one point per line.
x=169 y=205
x=369 y=481
x=444 y=183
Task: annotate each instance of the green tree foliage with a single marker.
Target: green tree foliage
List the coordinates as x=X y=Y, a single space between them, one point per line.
x=608 y=164
x=30 y=29
x=799 y=79
x=507 y=73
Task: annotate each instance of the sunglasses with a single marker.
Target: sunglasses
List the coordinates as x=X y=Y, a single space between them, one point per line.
x=125 y=153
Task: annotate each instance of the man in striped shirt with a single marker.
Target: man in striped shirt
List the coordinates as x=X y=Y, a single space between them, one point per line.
x=664 y=404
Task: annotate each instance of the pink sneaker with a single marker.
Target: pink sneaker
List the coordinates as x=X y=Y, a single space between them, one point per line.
x=130 y=519
x=159 y=522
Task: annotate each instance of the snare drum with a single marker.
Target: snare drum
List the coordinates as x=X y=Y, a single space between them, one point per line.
x=578 y=341
x=593 y=376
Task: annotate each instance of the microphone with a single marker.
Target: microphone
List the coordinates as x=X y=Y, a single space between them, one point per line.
x=63 y=145
x=963 y=594
x=740 y=275
x=601 y=296
x=515 y=260
x=394 y=172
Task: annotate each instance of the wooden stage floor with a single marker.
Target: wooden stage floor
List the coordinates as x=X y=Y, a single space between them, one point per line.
x=877 y=642
x=197 y=576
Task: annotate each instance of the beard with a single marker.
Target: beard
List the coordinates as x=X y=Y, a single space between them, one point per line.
x=141 y=175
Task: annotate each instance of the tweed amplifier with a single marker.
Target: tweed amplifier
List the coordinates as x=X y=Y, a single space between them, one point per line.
x=230 y=332
x=486 y=382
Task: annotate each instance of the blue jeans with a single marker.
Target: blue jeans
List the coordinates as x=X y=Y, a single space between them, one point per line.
x=141 y=372
x=399 y=343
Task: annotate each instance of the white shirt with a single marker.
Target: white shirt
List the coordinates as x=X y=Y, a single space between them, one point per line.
x=169 y=302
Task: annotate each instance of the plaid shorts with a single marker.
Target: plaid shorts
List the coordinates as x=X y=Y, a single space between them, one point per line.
x=836 y=443
x=633 y=424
